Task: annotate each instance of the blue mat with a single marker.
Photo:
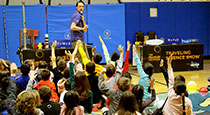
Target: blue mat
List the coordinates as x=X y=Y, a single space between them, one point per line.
x=201 y=103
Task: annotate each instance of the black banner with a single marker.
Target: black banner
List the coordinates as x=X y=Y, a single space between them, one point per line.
x=45 y=54
x=186 y=56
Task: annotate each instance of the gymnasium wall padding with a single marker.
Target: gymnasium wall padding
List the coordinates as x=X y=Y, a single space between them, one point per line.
x=182 y=14
x=116 y=23
x=132 y=19
x=186 y=20
x=108 y=21
x=59 y=17
x=199 y=24
x=148 y=23
x=35 y=19
x=2 y=40
x=166 y=20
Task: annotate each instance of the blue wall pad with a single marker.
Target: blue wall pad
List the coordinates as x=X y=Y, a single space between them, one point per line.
x=148 y=23
x=208 y=31
x=59 y=18
x=185 y=20
x=132 y=19
x=2 y=40
x=166 y=20
x=199 y=24
x=182 y=20
x=108 y=21
x=35 y=19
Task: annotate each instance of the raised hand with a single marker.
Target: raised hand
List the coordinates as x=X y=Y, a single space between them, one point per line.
x=32 y=75
x=120 y=49
x=53 y=58
x=170 y=58
x=79 y=43
x=161 y=62
x=93 y=50
x=13 y=69
x=54 y=44
x=4 y=63
x=68 y=53
x=151 y=82
x=128 y=45
x=76 y=60
x=101 y=40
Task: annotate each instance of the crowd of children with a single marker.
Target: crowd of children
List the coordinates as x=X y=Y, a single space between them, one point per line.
x=81 y=87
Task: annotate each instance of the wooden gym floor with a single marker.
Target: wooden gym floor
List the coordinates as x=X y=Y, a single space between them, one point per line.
x=200 y=77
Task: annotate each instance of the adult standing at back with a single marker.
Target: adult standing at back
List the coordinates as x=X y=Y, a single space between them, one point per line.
x=78 y=27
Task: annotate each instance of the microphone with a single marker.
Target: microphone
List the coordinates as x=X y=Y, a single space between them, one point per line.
x=81 y=13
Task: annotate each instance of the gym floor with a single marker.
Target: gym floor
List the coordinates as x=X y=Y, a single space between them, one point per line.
x=200 y=77
x=201 y=105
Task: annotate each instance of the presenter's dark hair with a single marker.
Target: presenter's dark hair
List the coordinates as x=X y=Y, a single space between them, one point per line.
x=80 y=1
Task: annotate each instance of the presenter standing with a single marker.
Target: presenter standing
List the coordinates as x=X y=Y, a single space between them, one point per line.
x=78 y=27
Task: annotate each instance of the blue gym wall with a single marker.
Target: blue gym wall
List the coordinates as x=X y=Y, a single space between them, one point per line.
x=2 y=39
x=59 y=17
x=35 y=19
x=108 y=21
x=185 y=20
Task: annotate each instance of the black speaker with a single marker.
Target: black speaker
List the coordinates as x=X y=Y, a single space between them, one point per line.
x=140 y=36
x=151 y=35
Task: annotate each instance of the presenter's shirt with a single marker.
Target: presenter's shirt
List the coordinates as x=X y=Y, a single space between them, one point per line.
x=77 y=35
